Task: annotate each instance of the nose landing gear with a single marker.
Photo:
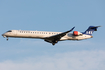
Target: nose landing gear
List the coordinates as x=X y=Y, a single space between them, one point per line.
x=7 y=38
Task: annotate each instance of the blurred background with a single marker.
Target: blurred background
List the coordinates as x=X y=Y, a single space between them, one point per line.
x=57 y=16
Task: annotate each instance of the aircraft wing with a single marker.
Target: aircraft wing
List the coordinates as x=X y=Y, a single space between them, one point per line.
x=55 y=38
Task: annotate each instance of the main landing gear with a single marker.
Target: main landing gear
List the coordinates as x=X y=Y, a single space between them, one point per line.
x=54 y=42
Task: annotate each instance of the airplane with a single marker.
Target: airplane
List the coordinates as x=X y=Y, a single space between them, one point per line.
x=52 y=37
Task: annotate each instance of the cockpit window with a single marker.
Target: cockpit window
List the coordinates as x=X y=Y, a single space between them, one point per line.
x=9 y=31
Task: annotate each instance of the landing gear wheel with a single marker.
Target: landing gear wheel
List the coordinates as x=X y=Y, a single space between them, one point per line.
x=53 y=43
x=7 y=38
x=56 y=41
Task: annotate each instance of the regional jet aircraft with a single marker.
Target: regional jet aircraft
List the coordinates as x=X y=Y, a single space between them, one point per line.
x=52 y=37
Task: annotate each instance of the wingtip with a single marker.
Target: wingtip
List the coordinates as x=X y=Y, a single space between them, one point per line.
x=73 y=27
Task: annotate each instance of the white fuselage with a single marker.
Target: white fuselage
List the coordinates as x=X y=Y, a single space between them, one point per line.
x=42 y=35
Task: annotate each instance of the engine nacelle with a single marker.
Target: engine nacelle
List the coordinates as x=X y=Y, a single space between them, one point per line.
x=76 y=33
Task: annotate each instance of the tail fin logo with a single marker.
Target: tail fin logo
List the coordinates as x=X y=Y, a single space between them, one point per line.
x=89 y=32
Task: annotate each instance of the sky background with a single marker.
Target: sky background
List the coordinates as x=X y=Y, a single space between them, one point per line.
x=58 y=16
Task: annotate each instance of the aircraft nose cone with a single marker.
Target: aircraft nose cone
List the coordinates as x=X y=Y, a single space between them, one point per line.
x=3 y=35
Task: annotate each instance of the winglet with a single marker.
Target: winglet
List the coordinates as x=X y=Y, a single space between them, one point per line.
x=72 y=29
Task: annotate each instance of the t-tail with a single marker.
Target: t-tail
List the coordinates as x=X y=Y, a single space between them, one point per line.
x=90 y=30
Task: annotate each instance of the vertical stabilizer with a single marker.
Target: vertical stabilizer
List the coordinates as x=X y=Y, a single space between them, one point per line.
x=90 y=30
